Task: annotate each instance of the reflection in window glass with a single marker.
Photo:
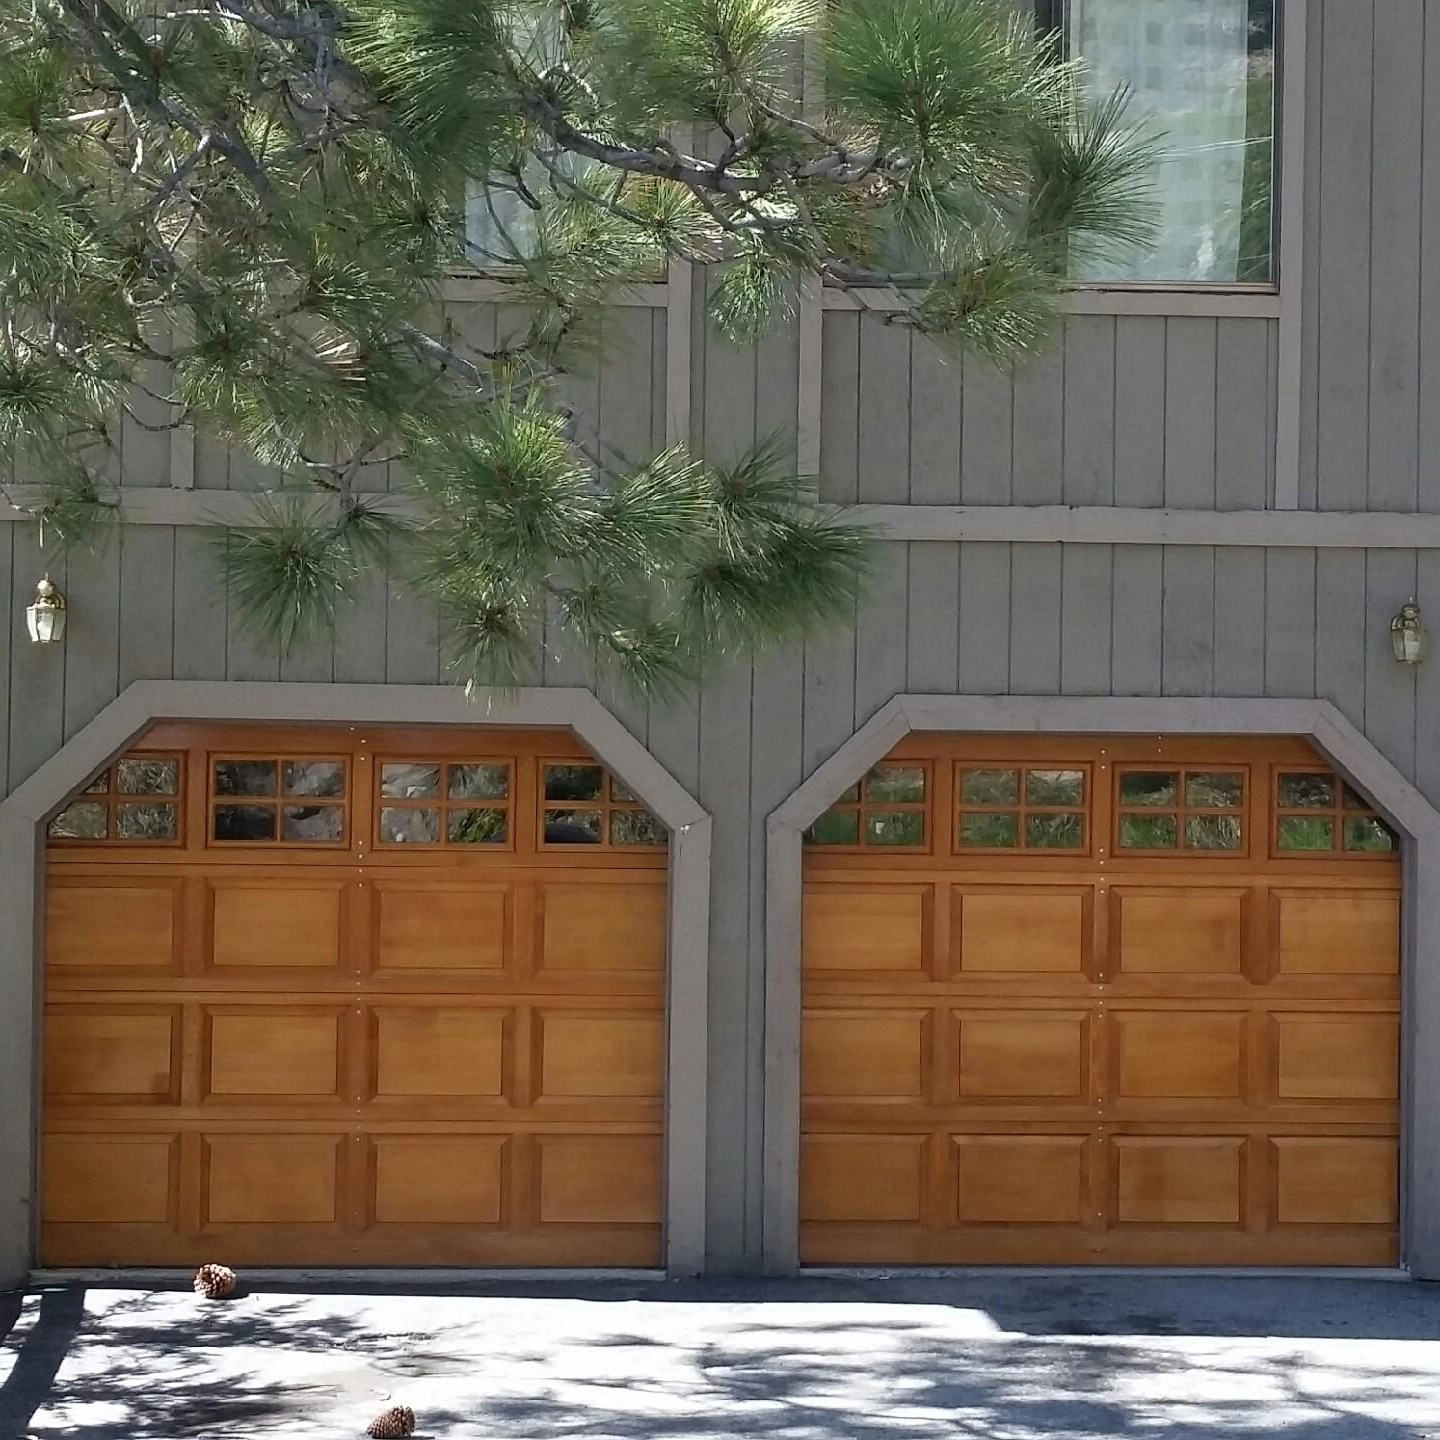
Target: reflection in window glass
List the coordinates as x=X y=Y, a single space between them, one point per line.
x=895 y=827
x=635 y=827
x=1306 y=832
x=1055 y=832
x=1218 y=790
x=84 y=820
x=99 y=785
x=1148 y=832
x=479 y=782
x=403 y=781
x=141 y=821
x=313 y=824
x=572 y=827
x=138 y=776
x=1202 y=78
x=1307 y=792
x=1149 y=788
x=835 y=827
x=245 y=777
x=897 y=784
x=1054 y=787
x=409 y=826
x=476 y=827
x=314 y=777
x=990 y=787
x=981 y=831
x=244 y=822
x=1212 y=832
x=1369 y=833
x=573 y=782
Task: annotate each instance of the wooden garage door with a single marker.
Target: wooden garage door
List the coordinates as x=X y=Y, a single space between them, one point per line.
x=353 y=996
x=1073 y=1001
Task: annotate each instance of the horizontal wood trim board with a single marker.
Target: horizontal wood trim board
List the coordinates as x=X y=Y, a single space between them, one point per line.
x=1073 y=524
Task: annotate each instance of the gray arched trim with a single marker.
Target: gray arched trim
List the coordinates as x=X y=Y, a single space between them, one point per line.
x=22 y=818
x=1316 y=720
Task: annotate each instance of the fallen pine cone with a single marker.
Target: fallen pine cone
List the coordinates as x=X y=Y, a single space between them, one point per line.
x=398 y=1420
x=215 y=1282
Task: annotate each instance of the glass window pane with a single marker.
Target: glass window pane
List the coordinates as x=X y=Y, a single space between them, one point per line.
x=981 y=831
x=835 y=827
x=1054 y=787
x=245 y=777
x=1368 y=832
x=1354 y=800
x=1212 y=832
x=313 y=824
x=899 y=784
x=1202 y=80
x=572 y=827
x=137 y=776
x=1147 y=832
x=573 y=782
x=479 y=782
x=1307 y=792
x=895 y=827
x=484 y=826
x=1055 y=832
x=407 y=780
x=99 y=785
x=1215 y=790
x=990 y=787
x=314 y=777
x=84 y=820
x=156 y=820
x=244 y=822
x=1306 y=832
x=635 y=827
x=851 y=796
x=621 y=793
x=409 y=827
x=1149 y=788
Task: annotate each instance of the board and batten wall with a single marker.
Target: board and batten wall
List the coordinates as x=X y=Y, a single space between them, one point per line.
x=1144 y=411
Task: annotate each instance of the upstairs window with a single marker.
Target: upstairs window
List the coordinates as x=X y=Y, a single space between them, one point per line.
x=1202 y=77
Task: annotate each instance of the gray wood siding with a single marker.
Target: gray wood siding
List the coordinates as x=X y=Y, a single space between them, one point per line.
x=976 y=617
x=1125 y=410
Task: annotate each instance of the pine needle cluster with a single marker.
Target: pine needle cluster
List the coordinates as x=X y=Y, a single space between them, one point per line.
x=238 y=214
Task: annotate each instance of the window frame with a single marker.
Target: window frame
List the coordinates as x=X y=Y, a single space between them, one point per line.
x=344 y=802
x=442 y=803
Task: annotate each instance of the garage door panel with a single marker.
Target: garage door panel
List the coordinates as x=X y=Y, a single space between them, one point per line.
x=111 y=924
x=110 y=1179
x=1336 y=1057
x=1323 y=933
x=865 y=1055
x=598 y=1055
x=1025 y=931
x=271 y=1179
x=1179 y=1055
x=853 y=929
x=598 y=1179
x=265 y=925
x=1181 y=1180
x=452 y=928
x=1335 y=1180
x=1043 y=1055
x=112 y=1053
x=439 y=1179
x=1020 y=1179
x=600 y=929
x=442 y=1051
x=282 y=1053
x=876 y=1178
x=1178 y=932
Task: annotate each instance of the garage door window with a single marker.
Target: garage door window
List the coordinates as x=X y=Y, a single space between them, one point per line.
x=1317 y=814
x=585 y=805
x=276 y=799
x=453 y=802
x=887 y=810
x=1161 y=811
x=1022 y=808
x=136 y=800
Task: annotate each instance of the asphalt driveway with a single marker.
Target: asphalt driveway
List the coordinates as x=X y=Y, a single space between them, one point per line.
x=995 y=1356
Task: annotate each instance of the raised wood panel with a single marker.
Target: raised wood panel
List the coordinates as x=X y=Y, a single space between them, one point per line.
x=429 y=927
x=1337 y=1057
x=438 y=1051
x=1337 y=934
x=274 y=925
x=271 y=1179
x=864 y=1055
x=439 y=1179
x=1023 y=1056
x=854 y=928
x=1020 y=1179
x=599 y=1179
x=1179 y=1055
x=1175 y=1180
x=1175 y=932
x=1021 y=932
x=108 y=1179
x=97 y=1050
x=598 y=1054
x=602 y=928
x=1335 y=1180
x=862 y=1177
x=273 y=1052
x=110 y=926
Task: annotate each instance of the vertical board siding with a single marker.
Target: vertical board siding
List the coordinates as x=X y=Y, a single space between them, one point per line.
x=1187 y=637
x=933 y=632
x=1428 y=124
x=1089 y=437
x=882 y=408
x=1140 y=411
x=1039 y=431
x=935 y=411
x=1190 y=385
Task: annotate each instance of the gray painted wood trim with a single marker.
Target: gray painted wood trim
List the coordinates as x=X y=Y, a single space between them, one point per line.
x=1039 y=524
x=1317 y=720
x=497 y=288
x=1098 y=300
x=23 y=815
x=1291 y=259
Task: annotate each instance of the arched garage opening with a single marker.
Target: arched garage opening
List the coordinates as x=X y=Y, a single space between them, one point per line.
x=1085 y=982
x=386 y=990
